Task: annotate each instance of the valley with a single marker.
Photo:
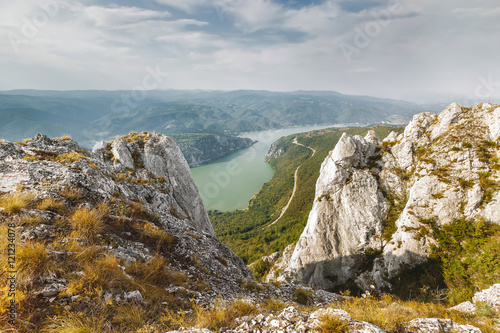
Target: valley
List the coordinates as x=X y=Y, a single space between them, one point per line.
x=229 y=183
x=243 y=230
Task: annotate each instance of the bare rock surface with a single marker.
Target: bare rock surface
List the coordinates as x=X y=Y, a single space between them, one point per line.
x=143 y=172
x=434 y=171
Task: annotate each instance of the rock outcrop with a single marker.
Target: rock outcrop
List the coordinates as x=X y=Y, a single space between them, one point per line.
x=200 y=149
x=376 y=199
x=131 y=201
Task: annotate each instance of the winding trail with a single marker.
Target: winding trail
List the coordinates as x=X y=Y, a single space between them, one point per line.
x=283 y=211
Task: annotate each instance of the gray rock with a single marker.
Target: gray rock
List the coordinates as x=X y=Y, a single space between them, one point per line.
x=490 y=296
x=52 y=290
x=133 y=296
x=427 y=169
x=435 y=325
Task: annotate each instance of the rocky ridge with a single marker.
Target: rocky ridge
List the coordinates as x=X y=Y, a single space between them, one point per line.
x=443 y=167
x=139 y=187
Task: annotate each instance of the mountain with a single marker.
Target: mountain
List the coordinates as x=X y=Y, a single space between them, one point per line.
x=117 y=240
x=418 y=210
x=91 y=116
x=125 y=222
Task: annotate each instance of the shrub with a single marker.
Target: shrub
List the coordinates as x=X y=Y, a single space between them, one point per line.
x=260 y=268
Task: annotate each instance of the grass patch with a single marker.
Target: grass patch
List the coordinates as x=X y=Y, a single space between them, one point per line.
x=53 y=205
x=329 y=323
x=302 y=296
x=88 y=223
x=14 y=203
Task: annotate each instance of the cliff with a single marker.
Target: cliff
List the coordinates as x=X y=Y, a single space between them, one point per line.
x=381 y=205
x=200 y=149
x=122 y=224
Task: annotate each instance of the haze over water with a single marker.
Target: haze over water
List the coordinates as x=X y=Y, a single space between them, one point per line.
x=230 y=182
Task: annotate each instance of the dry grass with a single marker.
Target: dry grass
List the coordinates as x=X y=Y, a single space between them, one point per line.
x=102 y=272
x=53 y=205
x=156 y=272
x=14 y=203
x=71 y=322
x=65 y=138
x=329 y=323
x=129 y=317
x=273 y=304
x=220 y=316
x=88 y=223
x=73 y=195
x=392 y=314
x=70 y=157
x=33 y=262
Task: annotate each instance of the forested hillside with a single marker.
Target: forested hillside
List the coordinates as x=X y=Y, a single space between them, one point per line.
x=245 y=231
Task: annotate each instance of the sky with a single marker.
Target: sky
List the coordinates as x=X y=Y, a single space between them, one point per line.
x=407 y=49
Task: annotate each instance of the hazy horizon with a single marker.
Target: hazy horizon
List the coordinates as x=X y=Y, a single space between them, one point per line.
x=399 y=49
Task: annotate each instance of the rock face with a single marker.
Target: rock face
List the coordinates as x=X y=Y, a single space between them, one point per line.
x=373 y=197
x=152 y=214
x=205 y=148
x=274 y=151
x=158 y=157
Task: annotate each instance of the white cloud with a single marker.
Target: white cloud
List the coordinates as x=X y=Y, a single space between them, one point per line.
x=259 y=44
x=105 y=17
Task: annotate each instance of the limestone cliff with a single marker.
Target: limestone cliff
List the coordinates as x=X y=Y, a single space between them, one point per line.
x=200 y=149
x=123 y=223
x=376 y=199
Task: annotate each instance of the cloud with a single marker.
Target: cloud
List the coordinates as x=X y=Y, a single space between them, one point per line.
x=253 y=44
x=184 y=5
x=105 y=16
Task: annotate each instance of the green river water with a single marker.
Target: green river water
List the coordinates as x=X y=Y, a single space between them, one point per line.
x=230 y=182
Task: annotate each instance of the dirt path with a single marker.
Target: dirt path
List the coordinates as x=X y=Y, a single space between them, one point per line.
x=283 y=211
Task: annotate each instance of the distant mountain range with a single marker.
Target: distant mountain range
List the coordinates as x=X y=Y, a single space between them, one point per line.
x=91 y=116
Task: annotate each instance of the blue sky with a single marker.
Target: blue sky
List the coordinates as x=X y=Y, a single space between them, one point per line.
x=387 y=48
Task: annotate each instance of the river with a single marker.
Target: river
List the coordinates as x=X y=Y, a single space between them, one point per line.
x=230 y=182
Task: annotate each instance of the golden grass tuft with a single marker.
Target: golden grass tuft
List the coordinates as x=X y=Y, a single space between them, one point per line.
x=102 y=272
x=273 y=304
x=392 y=314
x=70 y=157
x=130 y=317
x=72 y=194
x=33 y=262
x=65 y=138
x=71 y=322
x=222 y=315
x=52 y=204
x=88 y=223
x=329 y=323
x=14 y=203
